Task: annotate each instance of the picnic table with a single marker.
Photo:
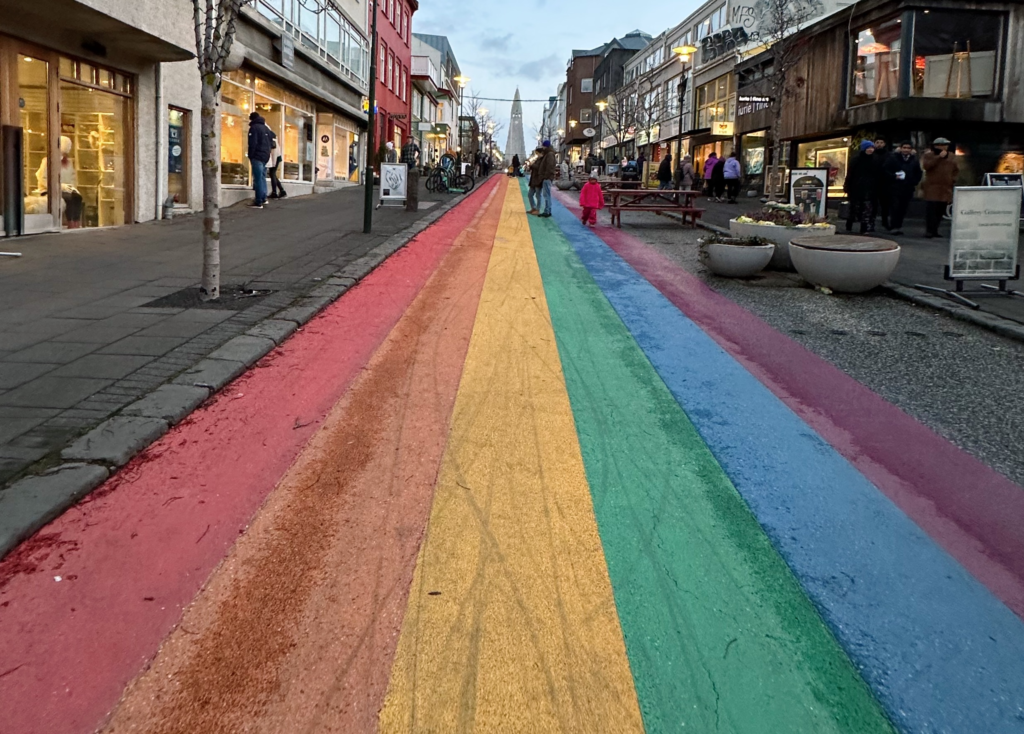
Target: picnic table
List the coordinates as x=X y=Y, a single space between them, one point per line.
x=652 y=200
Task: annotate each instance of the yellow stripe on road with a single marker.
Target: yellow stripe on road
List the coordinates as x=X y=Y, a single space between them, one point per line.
x=511 y=624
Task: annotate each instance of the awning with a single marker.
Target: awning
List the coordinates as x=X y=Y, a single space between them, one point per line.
x=68 y=24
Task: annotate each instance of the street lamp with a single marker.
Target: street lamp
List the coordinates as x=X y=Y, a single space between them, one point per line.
x=462 y=81
x=684 y=54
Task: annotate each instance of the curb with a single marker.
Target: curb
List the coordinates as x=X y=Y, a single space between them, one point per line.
x=34 y=501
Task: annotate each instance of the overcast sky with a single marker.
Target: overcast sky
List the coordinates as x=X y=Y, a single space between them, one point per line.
x=501 y=44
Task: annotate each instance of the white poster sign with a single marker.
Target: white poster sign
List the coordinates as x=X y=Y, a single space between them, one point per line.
x=984 y=239
x=394 y=178
x=808 y=189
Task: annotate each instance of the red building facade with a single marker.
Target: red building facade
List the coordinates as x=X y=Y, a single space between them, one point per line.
x=394 y=75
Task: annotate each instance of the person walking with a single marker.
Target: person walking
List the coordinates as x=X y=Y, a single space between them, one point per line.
x=685 y=174
x=718 y=179
x=259 y=155
x=884 y=187
x=276 y=189
x=940 y=172
x=861 y=186
x=731 y=172
x=709 y=167
x=665 y=174
x=515 y=165
x=545 y=167
x=591 y=199
x=536 y=183
x=903 y=173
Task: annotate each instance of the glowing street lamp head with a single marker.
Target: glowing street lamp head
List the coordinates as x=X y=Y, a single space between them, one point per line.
x=602 y=105
x=572 y=123
x=482 y=111
x=462 y=81
x=684 y=52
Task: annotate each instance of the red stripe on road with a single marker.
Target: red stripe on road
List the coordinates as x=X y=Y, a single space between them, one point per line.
x=972 y=511
x=135 y=552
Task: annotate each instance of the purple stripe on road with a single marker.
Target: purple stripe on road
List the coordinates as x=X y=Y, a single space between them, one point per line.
x=972 y=511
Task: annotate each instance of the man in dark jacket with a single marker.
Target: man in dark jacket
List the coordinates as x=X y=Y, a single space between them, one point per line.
x=884 y=189
x=903 y=172
x=260 y=145
x=665 y=173
x=542 y=173
x=862 y=187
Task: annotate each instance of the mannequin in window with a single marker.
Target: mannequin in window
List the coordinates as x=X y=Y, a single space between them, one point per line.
x=68 y=184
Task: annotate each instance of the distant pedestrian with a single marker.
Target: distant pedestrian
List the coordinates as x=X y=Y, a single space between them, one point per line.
x=259 y=155
x=940 y=172
x=515 y=165
x=410 y=153
x=640 y=161
x=542 y=173
x=591 y=199
x=731 y=172
x=276 y=189
x=709 y=167
x=861 y=187
x=903 y=172
x=390 y=154
x=884 y=188
x=685 y=175
x=718 y=179
x=665 y=174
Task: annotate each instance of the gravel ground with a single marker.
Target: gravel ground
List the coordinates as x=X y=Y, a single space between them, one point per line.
x=962 y=381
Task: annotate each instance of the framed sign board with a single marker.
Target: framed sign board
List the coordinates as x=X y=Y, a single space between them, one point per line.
x=394 y=181
x=808 y=189
x=984 y=239
x=1005 y=179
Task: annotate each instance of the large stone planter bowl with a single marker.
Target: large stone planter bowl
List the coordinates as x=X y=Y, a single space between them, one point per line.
x=737 y=261
x=844 y=263
x=780 y=236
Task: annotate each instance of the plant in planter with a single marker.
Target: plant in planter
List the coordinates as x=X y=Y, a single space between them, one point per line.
x=735 y=257
x=779 y=223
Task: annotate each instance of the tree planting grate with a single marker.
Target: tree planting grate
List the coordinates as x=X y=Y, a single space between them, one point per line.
x=232 y=298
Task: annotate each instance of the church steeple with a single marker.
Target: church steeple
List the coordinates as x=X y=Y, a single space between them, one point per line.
x=516 y=144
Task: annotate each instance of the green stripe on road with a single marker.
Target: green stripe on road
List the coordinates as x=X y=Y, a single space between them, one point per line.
x=719 y=634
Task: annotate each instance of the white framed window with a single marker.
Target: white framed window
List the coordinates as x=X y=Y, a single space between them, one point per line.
x=587 y=86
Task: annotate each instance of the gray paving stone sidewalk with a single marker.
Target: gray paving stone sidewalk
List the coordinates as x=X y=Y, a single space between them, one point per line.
x=921 y=259
x=81 y=339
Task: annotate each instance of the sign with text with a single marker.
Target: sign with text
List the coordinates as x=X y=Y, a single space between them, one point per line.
x=723 y=128
x=808 y=189
x=394 y=179
x=1005 y=179
x=984 y=239
x=747 y=104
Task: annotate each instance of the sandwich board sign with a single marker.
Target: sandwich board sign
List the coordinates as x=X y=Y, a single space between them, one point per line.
x=984 y=239
x=394 y=182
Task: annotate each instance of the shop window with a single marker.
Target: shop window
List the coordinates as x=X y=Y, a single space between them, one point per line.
x=754 y=148
x=34 y=116
x=298 y=146
x=956 y=53
x=67 y=68
x=236 y=104
x=832 y=154
x=716 y=102
x=87 y=73
x=876 y=66
x=178 y=144
x=95 y=124
x=586 y=115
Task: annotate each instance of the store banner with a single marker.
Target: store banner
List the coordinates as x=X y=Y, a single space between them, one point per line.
x=984 y=239
x=394 y=179
x=808 y=189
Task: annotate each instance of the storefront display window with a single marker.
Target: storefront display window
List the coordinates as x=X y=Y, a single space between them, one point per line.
x=956 y=53
x=876 y=66
x=236 y=104
x=33 y=96
x=832 y=154
x=753 y=147
x=177 y=155
x=716 y=101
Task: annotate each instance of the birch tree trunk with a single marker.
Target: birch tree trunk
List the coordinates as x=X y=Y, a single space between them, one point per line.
x=209 y=290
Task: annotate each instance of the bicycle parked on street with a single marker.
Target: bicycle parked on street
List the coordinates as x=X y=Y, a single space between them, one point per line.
x=446 y=177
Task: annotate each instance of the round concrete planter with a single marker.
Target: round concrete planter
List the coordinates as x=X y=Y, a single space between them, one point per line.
x=736 y=261
x=831 y=263
x=780 y=236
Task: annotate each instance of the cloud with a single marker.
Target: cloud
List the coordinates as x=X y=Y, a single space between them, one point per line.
x=496 y=44
x=538 y=69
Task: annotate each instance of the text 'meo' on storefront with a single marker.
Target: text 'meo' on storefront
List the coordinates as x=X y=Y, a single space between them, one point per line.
x=314 y=147
x=72 y=122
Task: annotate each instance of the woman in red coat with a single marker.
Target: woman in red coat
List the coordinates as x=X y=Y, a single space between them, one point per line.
x=591 y=199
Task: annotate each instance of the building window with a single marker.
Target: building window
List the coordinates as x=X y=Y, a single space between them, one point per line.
x=405 y=84
x=382 y=62
x=391 y=71
x=587 y=86
x=716 y=102
x=586 y=115
x=955 y=53
x=324 y=30
x=876 y=66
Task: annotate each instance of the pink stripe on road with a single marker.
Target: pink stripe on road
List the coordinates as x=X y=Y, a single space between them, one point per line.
x=972 y=511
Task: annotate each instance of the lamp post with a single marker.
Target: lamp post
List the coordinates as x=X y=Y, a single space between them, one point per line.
x=371 y=122
x=684 y=53
x=462 y=81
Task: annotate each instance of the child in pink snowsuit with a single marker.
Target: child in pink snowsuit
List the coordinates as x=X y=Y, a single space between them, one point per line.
x=591 y=199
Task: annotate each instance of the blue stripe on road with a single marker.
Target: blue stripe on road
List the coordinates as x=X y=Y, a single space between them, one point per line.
x=938 y=649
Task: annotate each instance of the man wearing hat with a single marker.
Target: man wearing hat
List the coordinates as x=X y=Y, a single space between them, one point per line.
x=940 y=172
x=542 y=173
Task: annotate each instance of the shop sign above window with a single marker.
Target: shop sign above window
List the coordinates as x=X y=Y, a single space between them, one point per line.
x=719 y=44
x=748 y=104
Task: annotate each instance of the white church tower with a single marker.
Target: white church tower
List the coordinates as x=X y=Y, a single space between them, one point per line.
x=516 y=142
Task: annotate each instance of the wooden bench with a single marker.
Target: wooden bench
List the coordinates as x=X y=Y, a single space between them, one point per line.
x=650 y=200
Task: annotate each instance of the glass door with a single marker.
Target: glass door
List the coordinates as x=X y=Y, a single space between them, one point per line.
x=34 y=119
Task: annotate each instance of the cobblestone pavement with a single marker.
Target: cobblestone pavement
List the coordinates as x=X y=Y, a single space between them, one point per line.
x=959 y=379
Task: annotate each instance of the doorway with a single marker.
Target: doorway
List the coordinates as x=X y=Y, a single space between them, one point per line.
x=178 y=137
